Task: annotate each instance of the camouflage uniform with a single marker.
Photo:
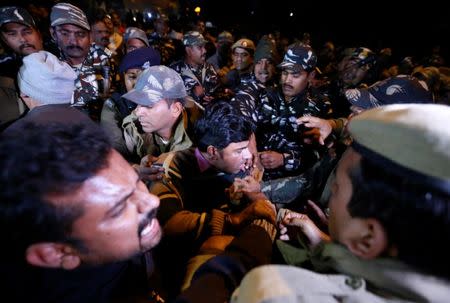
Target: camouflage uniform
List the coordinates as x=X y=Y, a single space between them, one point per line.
x=277 y=126
x=165 y=46
x=279 y=131
x=249 y=95
x=87 y=86
x=205 y=76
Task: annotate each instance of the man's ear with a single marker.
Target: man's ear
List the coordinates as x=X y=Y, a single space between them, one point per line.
x=52 y=33
x=212 y=152
x=176 y=108
x=311 y=75
x=372 y=242
x=52 y=255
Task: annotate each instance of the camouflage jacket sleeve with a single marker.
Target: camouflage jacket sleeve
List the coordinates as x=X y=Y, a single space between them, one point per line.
x=277 y=127
x=247 y=99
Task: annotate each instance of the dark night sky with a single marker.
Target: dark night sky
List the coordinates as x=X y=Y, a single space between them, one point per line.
x=409 y=29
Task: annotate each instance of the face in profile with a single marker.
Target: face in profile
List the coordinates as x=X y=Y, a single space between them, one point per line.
x=22 y=39
x=159 y=118
x=119 y=214
x=342 y=227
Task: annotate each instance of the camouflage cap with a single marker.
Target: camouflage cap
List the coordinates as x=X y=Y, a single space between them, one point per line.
x=364 y=56
x=65 y=13
x=135 y=33
x=157 y=83
x=16 y=14
x=225 y=37
x=398 y=89
x=299 y=56
x=410 y=139
x=193 y=38
x=246 y=44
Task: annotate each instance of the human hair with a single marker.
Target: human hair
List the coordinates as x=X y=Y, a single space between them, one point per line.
x=415 y=216
x=220 y=126
x=40 y=161
x=172 y=101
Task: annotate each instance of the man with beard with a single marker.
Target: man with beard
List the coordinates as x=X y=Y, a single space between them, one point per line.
x=71 y=31
x=20 y=36
x=78 y=221
x=279 y=137
x=199 y=76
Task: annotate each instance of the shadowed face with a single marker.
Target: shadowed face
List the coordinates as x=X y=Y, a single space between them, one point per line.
x=22 y=39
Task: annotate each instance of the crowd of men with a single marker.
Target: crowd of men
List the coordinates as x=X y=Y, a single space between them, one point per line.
x=180 y=167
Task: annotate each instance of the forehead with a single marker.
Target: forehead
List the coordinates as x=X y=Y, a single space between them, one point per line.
x=71 y=27
x=265 y=60
x=295 y=72
x=14 y=26
x=236 y=146
x=240 y=50
x=110 y=182
x=135 y=41
x=100 y=24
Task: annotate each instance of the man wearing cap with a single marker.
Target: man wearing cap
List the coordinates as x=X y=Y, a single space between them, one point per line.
x=170 y=49
x=19 y=34
x=279 y=138
x=242 y=52
x=163 y=113
x=356 y=69
x=199 y=76
x=71 y=31
x=116 y=108
x=395 y=90
x=134 y=38
x=221 y=60
x=249 y=95
x=388 y=218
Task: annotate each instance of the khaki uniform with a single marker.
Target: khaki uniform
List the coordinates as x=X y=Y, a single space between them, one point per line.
x=379 y=280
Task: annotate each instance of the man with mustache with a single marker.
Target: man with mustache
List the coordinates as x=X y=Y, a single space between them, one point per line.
x=100 y=32
x=278 y=135
x=78 y=221
x=199 y=76
x=20 y=36
x=70 y=29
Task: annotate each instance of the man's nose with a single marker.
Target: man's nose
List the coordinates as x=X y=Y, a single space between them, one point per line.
x=146 y=202
x=247 y=154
